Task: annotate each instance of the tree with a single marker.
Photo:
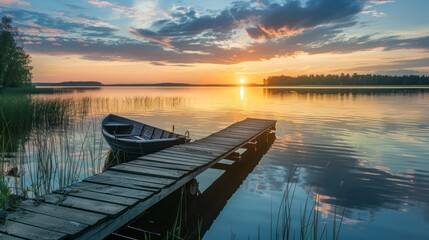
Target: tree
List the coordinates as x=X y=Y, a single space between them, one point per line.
x=15 y=69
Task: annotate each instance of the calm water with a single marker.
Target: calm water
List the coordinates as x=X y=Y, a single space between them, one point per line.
x=362 y=153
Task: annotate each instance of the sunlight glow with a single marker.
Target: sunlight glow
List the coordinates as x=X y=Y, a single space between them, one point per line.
x=242 y=81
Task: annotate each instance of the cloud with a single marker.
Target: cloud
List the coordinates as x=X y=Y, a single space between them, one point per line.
x=261 y=21
x=372 y=11
x=34 y=23
x=100 y=3
x=74 y=6
x=380 y=2
x=128 y=11
x=284 y=20
x=151 y=36
x=243 y=31
x=15 y=2
x=394 y=65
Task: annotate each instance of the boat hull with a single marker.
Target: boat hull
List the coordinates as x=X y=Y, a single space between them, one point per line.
x=130 y=139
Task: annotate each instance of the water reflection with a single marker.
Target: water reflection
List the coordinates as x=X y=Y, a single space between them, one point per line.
x=363 y=149
x=347 y=91
x=242 y=93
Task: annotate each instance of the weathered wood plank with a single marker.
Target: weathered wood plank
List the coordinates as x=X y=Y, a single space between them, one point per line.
x=161 y=182
x=173 y=161
x=219 y=148
x=114 y=190
x=217 y=142
x=98 y=196
x=179 y=158
x=171 y=166
x=196 y=152
x=66 y=213
x=226 y=140
x=184 y=156
x=8 y=237
x=148 y=171
x=30 y=232
x=47 y=222
x=126 y=183
x=214 y=144
x=234 y=134
x=251 y=128
x=209 y=151
x=85 y=204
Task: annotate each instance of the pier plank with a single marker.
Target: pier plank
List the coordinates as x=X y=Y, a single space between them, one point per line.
x=127 y=183
x=8 y=237
x=29 y=232
x=187 y=162
x=160 y=182
x=110 y=209
x=148 y=171
x=170 y=166
x=66 y=213
x=113 y=190
x=98 y=196
x=185 y=156
x=163 y=160
x=47 y=222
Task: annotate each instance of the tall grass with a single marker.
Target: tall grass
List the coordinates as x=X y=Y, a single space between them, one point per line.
x=45 y=151
x=57 y=160
x=309 y=220
x=4 y=194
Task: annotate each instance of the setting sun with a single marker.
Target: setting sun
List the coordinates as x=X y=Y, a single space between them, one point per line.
x=242 y=81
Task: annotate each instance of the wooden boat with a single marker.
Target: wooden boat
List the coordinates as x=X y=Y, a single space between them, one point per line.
x=133 y=139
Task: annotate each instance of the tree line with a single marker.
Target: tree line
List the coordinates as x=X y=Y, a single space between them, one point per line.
x=346 y=80
x=15 y=69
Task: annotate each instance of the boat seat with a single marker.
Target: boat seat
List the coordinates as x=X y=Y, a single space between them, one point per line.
x=118 y=124
x=117 y=128
x=121 y=135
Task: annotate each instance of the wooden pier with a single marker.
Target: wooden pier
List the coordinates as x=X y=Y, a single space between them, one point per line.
x=97 y=206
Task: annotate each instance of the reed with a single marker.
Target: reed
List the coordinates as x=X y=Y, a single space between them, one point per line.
x=309 y=221
x=4 y=194
x=57 y=160
x=44 y=149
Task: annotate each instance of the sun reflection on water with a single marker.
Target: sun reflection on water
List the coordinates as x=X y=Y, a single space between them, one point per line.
x=242 y=93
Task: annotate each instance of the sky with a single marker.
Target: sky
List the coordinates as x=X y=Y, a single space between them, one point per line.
x=219 y=41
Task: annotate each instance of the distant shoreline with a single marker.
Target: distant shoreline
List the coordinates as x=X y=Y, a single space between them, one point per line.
x=99 y=84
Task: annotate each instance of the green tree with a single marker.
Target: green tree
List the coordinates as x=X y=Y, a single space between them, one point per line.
x=15 y=69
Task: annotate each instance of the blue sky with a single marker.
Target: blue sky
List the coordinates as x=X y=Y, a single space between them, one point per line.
x=196 y=37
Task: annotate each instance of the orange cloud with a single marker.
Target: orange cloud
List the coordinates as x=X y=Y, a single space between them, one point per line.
x=15 y=2
x=152 y=37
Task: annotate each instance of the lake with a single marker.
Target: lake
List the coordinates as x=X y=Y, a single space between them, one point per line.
x=359 y=156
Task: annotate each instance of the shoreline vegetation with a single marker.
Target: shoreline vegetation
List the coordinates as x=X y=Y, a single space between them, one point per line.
x=347 y=80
